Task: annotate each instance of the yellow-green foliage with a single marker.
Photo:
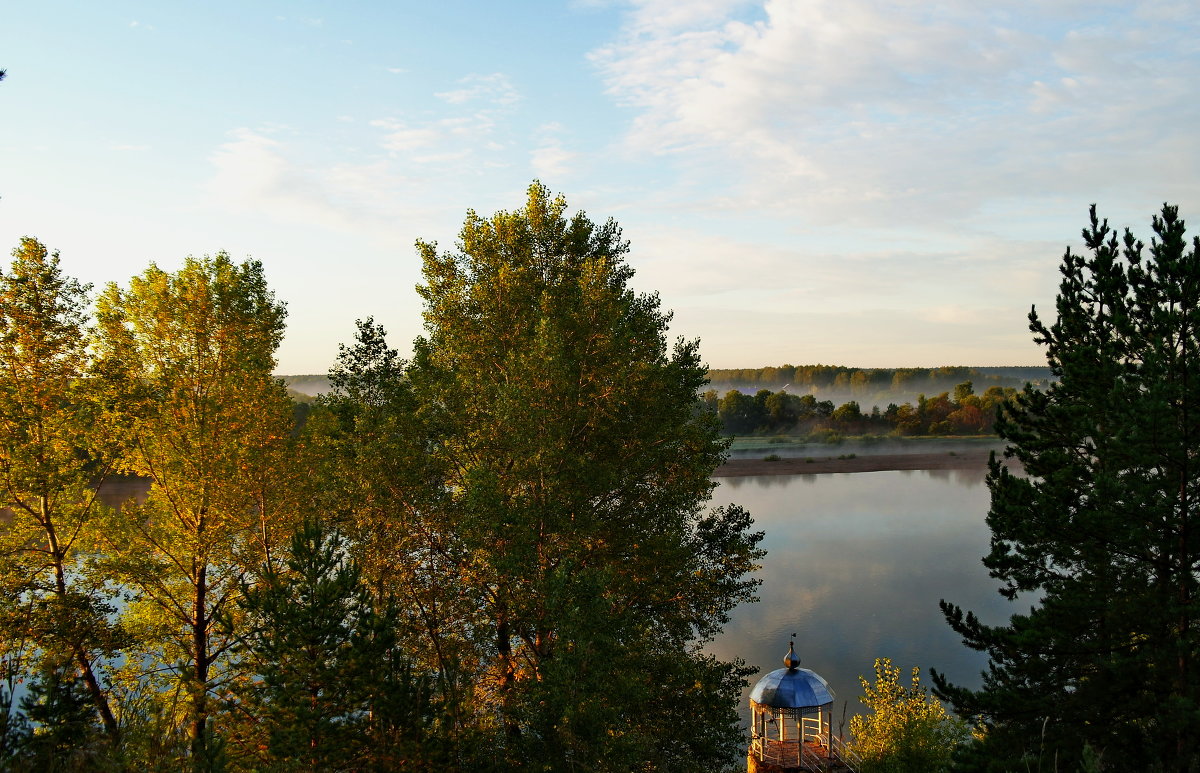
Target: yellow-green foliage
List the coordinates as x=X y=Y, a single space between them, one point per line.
x=907 y=729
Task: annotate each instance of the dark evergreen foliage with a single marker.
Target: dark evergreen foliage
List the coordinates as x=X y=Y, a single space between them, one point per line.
x=55 y=727
x=332 y=689
x=1101 y=534
x=14 y=726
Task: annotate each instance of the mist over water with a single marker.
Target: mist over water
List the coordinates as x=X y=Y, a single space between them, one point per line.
x=856 y=565
x=756 y=447
x=879 y=387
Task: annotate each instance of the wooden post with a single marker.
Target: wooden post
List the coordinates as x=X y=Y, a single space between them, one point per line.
x=828 y=731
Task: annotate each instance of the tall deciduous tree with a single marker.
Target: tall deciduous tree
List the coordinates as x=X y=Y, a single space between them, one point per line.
x=206 y=422
x=575 y=462
x=49 y=457
x=1102 y=530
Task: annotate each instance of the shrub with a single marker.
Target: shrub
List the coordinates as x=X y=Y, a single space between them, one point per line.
x=907 y=730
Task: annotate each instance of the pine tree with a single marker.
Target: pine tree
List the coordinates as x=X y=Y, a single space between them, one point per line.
x=1101 y=534
x=375 y=478
x=64 y=734
x=331 y=689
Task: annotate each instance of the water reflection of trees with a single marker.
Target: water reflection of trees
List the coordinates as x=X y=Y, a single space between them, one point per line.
x=962 y=477
x=967 y=477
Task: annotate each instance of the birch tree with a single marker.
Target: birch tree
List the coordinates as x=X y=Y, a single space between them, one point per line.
x=203 y=419
x=50 y=459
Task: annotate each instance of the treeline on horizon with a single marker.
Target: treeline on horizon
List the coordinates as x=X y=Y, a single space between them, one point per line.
x=957 y=412
x=875 y=386
x=816 y=379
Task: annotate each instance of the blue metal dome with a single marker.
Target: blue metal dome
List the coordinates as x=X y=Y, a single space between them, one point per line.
x=792 y=688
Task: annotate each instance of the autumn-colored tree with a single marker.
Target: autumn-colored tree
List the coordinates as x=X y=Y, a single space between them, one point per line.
x=50 y=456
x=907 y=730
x=202 y=417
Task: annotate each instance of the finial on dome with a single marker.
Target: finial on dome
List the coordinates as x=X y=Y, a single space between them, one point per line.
x=791 y=660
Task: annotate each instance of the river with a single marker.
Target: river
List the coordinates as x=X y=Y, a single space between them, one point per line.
x=855 y=567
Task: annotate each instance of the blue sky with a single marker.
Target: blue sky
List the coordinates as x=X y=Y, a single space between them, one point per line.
x=874 y=183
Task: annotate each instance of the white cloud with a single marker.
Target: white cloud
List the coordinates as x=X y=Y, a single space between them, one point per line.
x=550 y=159
x=256 y=174
x=745 y=274
x=872 y=112
x=401 y=138
x=440 y=139
x=467 y=131
x=494 y=88
x=391 y=198
x=955 y=314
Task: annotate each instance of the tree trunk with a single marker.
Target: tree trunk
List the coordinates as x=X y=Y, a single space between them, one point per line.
x=81 y=656
x=200 y=670
x=508 y=673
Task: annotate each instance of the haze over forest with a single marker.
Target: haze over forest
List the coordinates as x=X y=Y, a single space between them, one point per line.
x=868 y=386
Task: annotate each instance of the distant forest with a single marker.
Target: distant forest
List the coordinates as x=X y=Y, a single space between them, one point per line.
x=959 y=412
x=873 y=386
x=826 y=403
x=867 y=386
x=309 y=386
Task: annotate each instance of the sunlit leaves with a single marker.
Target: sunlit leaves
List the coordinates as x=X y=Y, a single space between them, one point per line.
x=51 y=451
x=907 y=730
x=189 y=357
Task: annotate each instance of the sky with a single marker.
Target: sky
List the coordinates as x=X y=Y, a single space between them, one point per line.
x=869 y=183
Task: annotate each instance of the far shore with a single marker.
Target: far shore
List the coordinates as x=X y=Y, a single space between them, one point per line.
x=812 y=460
x=962 y=459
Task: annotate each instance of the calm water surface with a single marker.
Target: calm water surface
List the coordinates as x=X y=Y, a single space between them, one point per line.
x=855 y=566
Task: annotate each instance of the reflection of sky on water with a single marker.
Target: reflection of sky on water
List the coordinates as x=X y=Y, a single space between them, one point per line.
x=855 y=567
